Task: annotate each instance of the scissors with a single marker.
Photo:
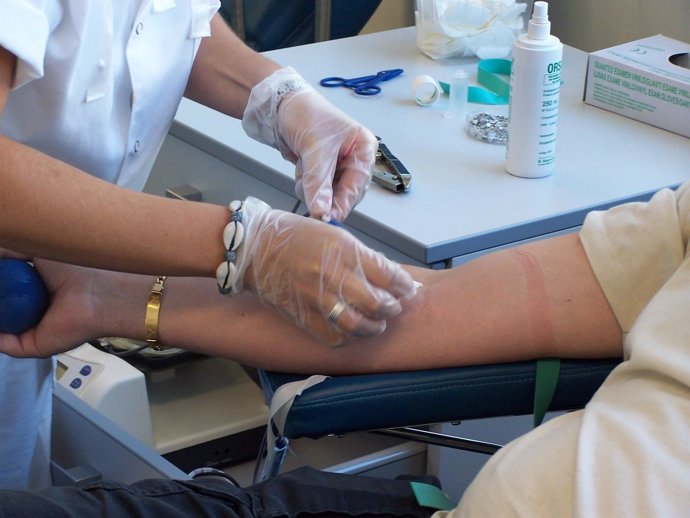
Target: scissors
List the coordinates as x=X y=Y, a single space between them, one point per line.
x=365 y=85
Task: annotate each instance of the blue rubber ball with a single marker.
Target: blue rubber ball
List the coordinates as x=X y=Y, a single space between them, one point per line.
x=23 y=296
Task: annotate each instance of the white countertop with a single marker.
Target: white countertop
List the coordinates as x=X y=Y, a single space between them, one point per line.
x=461 y=199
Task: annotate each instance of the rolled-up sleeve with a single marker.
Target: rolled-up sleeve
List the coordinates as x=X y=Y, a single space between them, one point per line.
x=634 y=249
x=24 y=31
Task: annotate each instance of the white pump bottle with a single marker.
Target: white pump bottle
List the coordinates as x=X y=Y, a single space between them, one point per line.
x=535 y=83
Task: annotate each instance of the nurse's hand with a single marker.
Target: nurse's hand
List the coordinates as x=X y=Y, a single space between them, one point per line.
x=319 y=275
x=333 y=154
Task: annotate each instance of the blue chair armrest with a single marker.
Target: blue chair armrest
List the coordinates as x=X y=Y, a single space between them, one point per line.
x=343 y=404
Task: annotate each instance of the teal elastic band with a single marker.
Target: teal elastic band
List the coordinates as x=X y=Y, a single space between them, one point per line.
x=431 y=496
x=493 y=75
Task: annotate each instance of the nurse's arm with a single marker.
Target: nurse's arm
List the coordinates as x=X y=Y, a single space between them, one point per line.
x=50 y=209
x=538 y=300
x=225 y=70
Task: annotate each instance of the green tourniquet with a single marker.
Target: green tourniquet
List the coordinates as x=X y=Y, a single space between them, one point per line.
x=545 y=386
x=431 y=496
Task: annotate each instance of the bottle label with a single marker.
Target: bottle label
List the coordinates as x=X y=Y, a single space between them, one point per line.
x=549 y=113
x=533 y=112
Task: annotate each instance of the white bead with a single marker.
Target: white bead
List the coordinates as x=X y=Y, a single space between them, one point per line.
x=222 y=274
x=225 y=274
x=235 y=205
x=233 y=230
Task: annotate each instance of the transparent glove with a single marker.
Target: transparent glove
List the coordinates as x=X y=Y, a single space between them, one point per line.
x=305 y=268
x=333 y=154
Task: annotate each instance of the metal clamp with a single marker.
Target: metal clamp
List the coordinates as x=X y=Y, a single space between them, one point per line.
x=389 y=172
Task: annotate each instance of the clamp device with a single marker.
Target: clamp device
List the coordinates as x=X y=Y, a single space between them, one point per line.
x=389 y=172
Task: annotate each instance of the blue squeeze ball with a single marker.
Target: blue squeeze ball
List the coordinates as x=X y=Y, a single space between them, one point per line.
x=23 y=296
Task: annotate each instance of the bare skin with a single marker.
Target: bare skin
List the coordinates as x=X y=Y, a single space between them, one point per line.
x=489 y=310
x=53 y=210
x=180 y=239
x=540 y=300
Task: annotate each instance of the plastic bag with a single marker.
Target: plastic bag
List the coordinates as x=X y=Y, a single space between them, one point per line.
x=466 y=28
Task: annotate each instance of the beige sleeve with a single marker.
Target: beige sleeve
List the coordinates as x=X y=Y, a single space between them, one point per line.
x=634 y=248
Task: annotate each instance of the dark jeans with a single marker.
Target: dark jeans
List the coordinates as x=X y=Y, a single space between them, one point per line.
x=303 y=492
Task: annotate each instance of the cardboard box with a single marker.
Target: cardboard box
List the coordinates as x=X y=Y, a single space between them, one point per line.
x=647 y=80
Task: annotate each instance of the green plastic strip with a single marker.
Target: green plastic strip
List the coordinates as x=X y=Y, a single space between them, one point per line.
x=493 y=75
x=431 y=496
x=548 y=370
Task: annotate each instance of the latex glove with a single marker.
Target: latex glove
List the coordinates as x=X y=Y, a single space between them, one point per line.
x=334 y=155
x=303 y=267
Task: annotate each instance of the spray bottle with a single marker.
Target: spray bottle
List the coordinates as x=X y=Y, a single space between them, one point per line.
x=535 y=83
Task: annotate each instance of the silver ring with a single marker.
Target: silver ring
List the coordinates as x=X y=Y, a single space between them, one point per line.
x=335 y=313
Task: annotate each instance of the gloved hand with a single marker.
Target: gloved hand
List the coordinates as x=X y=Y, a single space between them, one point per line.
x=333 y=154
x=306 y=268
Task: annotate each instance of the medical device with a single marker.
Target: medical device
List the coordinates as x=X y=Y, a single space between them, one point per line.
x=457 y=95
x=194 y=410
x=389 y=172
x=365 y=85
x=110 y=385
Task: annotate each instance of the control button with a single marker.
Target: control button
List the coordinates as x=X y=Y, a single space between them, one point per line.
x=85 y=370
x=76 y=383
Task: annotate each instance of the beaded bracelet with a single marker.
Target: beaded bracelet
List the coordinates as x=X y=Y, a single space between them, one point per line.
x=233 y=235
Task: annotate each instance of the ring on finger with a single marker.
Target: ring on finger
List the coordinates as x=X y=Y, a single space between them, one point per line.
x=336 y=311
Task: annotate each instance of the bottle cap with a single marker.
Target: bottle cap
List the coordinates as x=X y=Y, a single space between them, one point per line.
x=539 y=27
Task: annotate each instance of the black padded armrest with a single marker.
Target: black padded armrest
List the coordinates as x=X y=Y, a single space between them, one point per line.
x=344 y=404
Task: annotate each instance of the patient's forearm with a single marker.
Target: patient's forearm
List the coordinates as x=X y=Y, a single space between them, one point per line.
x=534 y=301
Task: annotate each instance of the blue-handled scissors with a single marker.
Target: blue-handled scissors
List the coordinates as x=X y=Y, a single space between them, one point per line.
x=365 y=85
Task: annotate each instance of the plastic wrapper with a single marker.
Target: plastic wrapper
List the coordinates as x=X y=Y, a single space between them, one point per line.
x=449 y=29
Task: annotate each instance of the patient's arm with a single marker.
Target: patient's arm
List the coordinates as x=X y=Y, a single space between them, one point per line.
x=533 y=301
x=538 y=300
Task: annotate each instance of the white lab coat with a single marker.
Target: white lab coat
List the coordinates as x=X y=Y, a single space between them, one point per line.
x=97 y=86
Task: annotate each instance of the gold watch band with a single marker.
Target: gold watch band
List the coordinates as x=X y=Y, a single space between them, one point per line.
x=153 y=308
